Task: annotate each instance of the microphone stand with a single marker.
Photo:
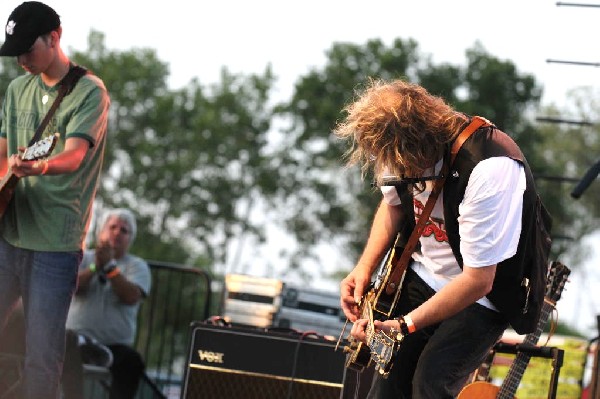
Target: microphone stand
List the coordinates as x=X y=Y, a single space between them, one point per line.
x=586 y=180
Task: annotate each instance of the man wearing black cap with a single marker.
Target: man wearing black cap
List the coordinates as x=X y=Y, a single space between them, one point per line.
x=43 y=227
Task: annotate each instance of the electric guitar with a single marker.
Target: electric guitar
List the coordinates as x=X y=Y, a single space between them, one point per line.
x=38 y=150
x=557 y=279
x=376 y=304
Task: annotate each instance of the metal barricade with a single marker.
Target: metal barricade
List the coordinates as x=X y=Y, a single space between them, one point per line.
x=179 y=295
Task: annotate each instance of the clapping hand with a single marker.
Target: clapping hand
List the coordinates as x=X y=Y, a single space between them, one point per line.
x=104 y=254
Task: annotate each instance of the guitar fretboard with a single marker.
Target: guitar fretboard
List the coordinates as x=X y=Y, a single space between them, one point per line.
x=513 y=378
x=556 y=281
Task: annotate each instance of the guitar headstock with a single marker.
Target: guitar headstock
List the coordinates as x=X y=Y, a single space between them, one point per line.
x=40 y=149
x=557 y=278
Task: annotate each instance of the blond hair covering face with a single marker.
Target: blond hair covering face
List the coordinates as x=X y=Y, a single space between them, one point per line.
x=398 y=127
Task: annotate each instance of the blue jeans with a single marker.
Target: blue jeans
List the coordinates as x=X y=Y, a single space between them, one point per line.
x=46 y=282
x=435 y=362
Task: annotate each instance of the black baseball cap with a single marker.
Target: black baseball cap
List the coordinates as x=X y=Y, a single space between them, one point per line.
x=25 y=24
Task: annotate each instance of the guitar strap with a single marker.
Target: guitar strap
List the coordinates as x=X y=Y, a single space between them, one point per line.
x=402 y=264
x=66 y=86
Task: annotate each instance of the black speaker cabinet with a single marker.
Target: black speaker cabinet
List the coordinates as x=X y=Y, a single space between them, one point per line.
x=357 y=384
x=245 y=363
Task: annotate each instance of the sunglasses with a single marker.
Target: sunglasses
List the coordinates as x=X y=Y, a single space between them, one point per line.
x=395 y=181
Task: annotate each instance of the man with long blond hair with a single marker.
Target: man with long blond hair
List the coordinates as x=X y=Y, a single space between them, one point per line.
x=463 y=286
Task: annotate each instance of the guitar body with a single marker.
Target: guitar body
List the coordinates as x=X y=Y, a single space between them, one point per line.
x=38 y=150
x=376 y=304
x=7 y=189
x=479 y=390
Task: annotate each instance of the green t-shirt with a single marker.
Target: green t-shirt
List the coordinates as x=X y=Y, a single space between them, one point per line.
x=52 y=212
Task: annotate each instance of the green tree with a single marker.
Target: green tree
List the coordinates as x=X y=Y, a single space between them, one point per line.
x=9 y=70
x=206 y=166
x=188 y=160
x=571 y=150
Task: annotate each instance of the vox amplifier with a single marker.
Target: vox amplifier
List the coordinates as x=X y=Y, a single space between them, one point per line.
x=245 y=363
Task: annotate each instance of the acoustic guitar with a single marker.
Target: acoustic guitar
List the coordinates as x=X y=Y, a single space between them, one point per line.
x=557 y=278
x=38 y=150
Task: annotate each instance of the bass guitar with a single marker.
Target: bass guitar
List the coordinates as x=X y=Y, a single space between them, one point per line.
x=557 y=278
x=377 y=304
x=38 y=150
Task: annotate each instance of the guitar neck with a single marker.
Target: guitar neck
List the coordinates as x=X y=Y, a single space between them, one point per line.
x=517 y=368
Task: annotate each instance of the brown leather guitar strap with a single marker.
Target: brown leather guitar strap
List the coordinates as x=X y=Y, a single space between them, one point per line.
x=402 y=264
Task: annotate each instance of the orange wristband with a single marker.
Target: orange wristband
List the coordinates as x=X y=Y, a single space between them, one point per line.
x=409 y=323
x=113 y=273
x=44 y=167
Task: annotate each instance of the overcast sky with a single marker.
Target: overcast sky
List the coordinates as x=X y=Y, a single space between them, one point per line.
x=197 y=38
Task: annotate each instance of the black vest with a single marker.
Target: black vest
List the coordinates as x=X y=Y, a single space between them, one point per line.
x=519 y=285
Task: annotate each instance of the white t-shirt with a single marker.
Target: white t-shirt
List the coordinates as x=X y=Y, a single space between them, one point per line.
x=489 y=222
